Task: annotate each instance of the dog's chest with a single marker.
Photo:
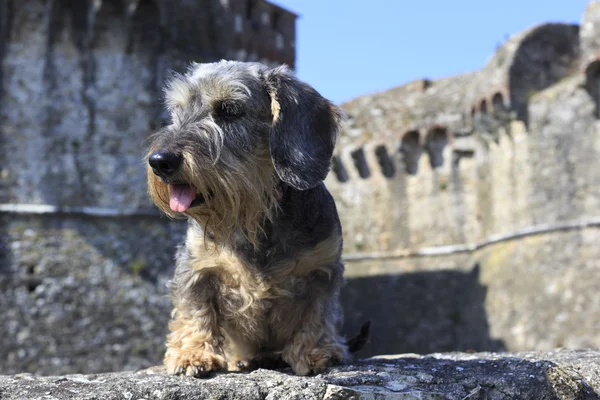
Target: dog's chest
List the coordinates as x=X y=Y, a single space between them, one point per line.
x=242 y=290
x=236 y=286
x=268 y=300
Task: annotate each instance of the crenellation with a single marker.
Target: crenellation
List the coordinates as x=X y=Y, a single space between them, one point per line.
x=592 y=83
x=408 y=150
x=386 y=164
x=499 y=104
x=263 y=30
x=435 y=142
x=338 y=168
x=483 y=108
x=411 y=149
x=360 y=162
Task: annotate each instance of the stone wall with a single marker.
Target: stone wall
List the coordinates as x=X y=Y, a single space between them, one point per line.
x=479 y=237
x=564 y=375
x=83 y=293
x=81 y=91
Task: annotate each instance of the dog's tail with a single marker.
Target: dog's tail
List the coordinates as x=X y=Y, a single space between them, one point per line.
x=358 y=342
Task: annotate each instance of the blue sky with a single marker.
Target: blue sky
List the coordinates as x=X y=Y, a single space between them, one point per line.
x=347 y=48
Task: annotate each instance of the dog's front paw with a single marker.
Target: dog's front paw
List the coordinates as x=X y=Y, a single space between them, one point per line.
x=241 y=366
x=316 y=360
x=197 y=363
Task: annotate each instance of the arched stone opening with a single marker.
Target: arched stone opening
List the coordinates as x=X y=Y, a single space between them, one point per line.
x=385 y=161
x=360 y=162
x=498 y=103
x=483 y=108
x=411 y=150
x=337 y=166
x=592 y=83
x=543 y=57
x=437 y=139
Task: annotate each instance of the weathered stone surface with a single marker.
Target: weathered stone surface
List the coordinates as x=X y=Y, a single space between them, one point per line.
x=565 y=375
x=95 y=72
x=84 y=296
x=590 y=44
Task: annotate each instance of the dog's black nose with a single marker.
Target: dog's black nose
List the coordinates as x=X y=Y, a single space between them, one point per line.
x=164 y=164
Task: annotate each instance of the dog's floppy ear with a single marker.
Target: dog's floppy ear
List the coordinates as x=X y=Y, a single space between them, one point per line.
x=303 y=132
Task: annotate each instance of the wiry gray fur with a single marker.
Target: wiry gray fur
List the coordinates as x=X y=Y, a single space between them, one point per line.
x=255 y=142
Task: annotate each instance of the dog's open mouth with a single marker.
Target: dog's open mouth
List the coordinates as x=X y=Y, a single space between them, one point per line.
x=182 y=197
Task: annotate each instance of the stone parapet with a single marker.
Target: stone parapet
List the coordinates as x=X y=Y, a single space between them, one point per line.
x=560 y=375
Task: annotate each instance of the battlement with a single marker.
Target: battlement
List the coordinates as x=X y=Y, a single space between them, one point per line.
x=453 y=161
x=461 y=106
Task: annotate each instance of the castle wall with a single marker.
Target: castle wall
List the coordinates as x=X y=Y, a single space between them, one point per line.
x=81 y=85
x=418 y=206
x=564 y=146
x=61 y=85
x=522 y=276
x=504 y=180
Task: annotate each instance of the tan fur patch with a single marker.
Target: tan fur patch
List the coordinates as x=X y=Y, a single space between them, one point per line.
x=320 y=258
x=275 y=106
x=316 y=345
x=191 y=343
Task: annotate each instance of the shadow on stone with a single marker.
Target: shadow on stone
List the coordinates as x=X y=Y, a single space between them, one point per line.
x=421 y=312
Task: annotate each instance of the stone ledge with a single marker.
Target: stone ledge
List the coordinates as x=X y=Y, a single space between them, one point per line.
x=564 y=374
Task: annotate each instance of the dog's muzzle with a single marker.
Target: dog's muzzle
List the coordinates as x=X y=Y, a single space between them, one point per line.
x=182 y=196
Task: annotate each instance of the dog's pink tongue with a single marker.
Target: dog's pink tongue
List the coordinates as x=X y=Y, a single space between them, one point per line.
x=180 y=197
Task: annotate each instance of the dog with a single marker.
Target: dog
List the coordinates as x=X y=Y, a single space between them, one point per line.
x=258 y=277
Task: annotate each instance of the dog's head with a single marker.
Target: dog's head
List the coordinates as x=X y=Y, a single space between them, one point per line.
x=237 y=131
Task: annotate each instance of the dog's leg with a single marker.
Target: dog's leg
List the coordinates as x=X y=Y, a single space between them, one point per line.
x=240 y=350
x=316 y=344
x=193 y=346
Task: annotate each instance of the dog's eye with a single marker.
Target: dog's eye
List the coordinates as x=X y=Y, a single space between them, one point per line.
x=230 y=109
